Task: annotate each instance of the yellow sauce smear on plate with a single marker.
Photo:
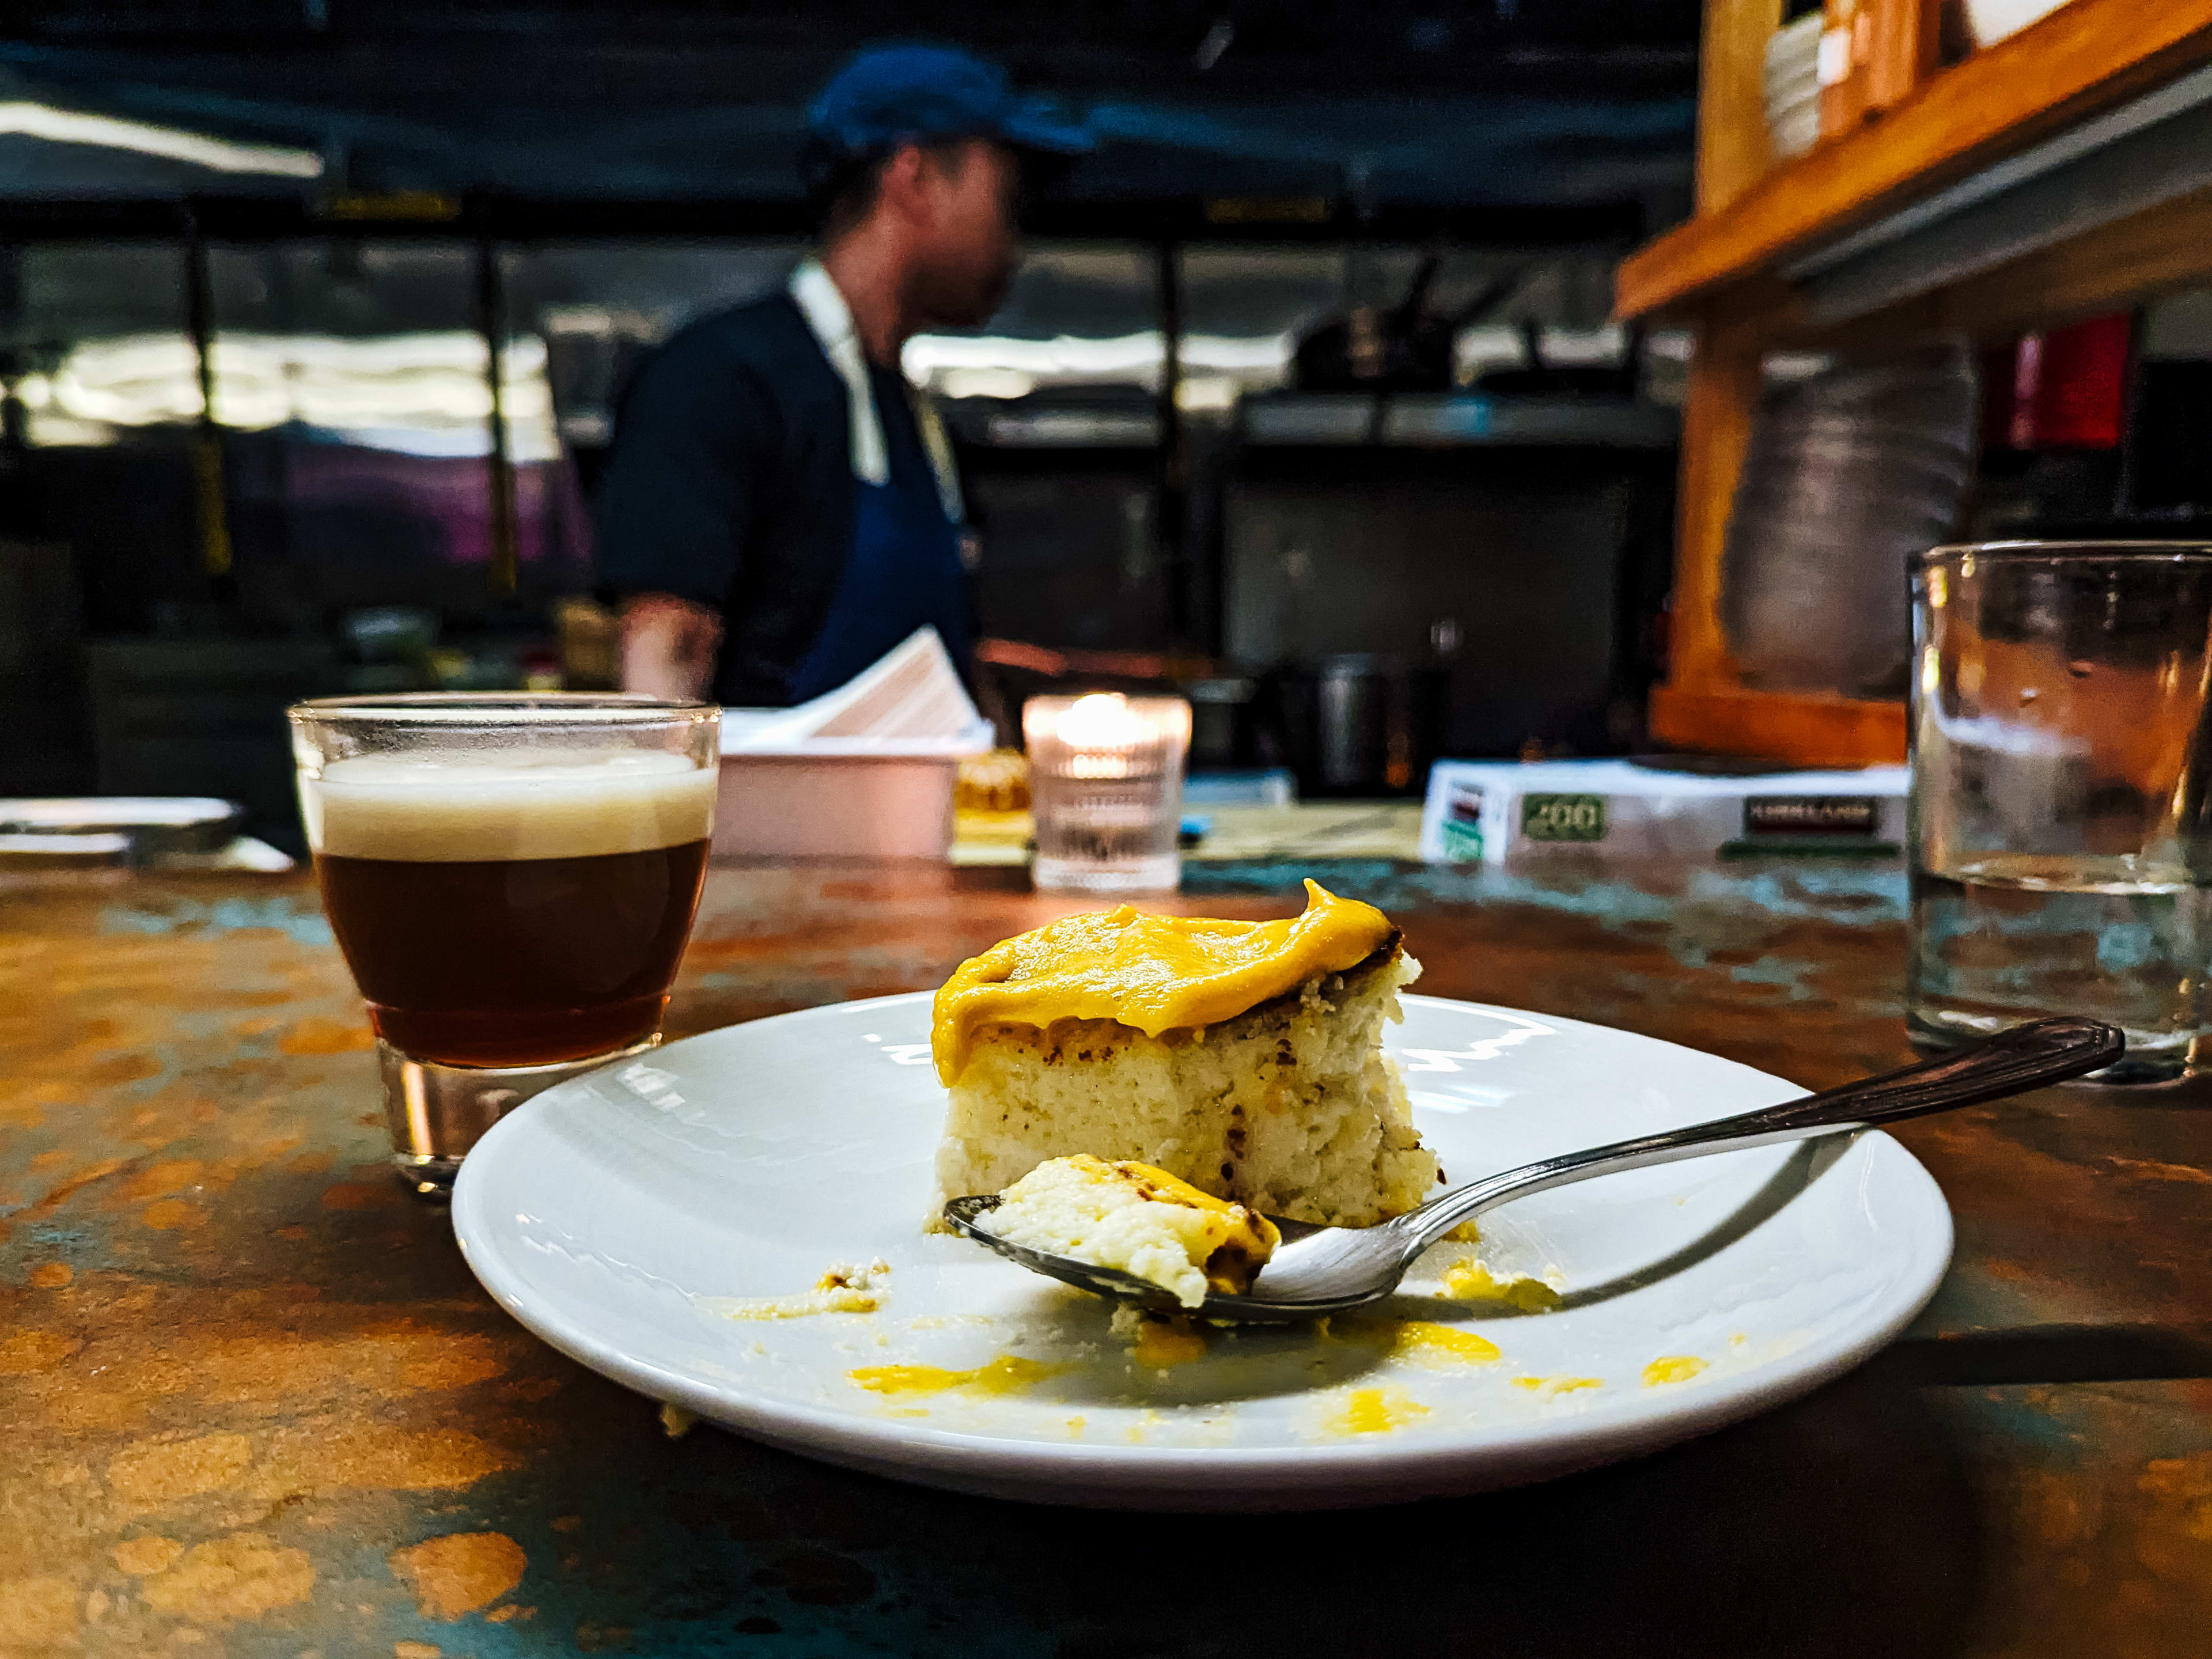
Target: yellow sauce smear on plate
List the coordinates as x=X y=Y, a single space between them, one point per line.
x=1672 y=1367
x=1471 y=1281
x=1007 y=1374
x=1153 y=973
x=1164 y=1342
x=1427 y=1343
x=1558 y=1384
x=1375 y=1410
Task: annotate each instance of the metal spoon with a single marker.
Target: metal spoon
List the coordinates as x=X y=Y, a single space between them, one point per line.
x=1325 y=1270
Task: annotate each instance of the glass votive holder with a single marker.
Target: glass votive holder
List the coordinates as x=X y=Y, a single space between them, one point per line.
x=1106 y=786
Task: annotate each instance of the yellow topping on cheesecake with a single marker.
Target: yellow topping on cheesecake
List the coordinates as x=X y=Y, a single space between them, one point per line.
x=1155 y=974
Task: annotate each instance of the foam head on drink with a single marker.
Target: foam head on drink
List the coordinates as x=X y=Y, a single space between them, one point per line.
x=511 y=908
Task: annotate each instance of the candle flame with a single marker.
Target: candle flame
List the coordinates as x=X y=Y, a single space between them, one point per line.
x=1104 y=734
x=1102 y=721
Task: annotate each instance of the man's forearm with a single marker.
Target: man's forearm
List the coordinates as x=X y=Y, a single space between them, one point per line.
x=668 y=646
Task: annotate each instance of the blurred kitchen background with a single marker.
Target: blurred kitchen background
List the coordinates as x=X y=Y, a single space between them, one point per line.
x=314 y=315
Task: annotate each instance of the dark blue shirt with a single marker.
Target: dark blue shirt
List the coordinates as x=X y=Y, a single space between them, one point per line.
x=731 y=486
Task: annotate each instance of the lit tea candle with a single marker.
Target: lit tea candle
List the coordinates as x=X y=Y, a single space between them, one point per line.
x=1102 y=734
x=1106 y=783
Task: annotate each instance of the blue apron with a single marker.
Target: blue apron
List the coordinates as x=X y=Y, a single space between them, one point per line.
x=902 y=568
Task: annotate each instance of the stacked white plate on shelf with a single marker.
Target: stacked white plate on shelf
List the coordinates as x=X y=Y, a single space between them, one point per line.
x=1793 y=86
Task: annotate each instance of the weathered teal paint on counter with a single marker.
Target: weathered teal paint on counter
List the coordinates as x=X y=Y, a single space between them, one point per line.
x=299 y=918
x=256 y=1406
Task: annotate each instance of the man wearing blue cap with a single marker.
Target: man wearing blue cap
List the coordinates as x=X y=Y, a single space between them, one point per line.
x=777 y=489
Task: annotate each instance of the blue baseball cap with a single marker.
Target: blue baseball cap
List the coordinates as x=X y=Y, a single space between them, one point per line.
x=890 y=95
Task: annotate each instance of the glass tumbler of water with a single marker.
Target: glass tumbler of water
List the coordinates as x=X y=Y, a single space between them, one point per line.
x=2062 y=794
x=1106 y=784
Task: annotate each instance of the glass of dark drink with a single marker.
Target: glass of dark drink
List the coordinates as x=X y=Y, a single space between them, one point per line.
x=512 y=880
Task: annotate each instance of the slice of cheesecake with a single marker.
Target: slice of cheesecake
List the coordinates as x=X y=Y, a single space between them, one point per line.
x=1245 y=1057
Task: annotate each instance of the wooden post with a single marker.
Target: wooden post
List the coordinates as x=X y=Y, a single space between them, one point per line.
x=1733 y=155
x=1171 y=480
x=491 y=322
x=1722 y=394
x=209 y=488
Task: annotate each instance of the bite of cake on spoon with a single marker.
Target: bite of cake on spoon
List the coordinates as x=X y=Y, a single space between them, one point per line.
x=1138 y=1220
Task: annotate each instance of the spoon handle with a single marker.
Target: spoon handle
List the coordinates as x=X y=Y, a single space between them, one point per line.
x=2012 y=1062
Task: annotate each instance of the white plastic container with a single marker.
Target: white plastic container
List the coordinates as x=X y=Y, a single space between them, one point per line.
x=841 y=797
x=865 y=771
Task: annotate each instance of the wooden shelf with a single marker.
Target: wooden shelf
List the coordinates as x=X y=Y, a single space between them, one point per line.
x=1810 y=731
x=2064 y=173
x=2083 y=59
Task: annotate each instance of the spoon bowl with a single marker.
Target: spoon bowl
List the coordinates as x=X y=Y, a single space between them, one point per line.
x=972 y=1216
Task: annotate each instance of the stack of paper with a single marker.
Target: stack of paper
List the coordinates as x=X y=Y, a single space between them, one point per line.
x=909 y=703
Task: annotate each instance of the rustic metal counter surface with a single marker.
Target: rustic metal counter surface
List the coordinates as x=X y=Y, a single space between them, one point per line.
x=254 y=1404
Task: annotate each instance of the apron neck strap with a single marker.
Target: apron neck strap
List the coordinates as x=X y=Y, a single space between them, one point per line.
x=815 y=292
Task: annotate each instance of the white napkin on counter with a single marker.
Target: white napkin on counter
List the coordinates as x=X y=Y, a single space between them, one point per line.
x=909 y=702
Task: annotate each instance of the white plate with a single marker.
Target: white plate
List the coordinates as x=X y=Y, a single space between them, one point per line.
x=616 y=1216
